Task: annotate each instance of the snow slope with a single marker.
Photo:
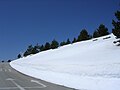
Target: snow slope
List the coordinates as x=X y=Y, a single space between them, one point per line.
x=86 y=65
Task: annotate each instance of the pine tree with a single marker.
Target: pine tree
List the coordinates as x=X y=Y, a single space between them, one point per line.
x=25 y=53
x=28 y=51
x=9 y=60
x=54 y=44
x=102 y=30
x=47 y=46
x=74 y=40
x=30 y=48
x=35 y=50
x=37 y=47
x=68 y=41
x=116 y=24
x=83 y=35
x=63 y=43
x=95 y=34
x=19 y=56
x=42 y=48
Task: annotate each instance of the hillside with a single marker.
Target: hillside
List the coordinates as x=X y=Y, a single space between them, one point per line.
x=87 y=65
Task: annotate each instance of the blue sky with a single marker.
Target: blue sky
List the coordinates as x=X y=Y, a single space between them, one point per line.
x=25 y=22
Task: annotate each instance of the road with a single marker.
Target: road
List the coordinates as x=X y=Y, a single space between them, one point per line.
x=10 y=79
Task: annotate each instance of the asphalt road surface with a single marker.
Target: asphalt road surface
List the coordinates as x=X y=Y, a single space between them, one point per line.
x=10 y=79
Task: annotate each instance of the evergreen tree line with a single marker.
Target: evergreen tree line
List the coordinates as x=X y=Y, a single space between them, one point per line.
x=102 y=30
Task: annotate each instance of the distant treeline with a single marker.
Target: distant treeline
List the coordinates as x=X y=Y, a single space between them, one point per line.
x=102 y=30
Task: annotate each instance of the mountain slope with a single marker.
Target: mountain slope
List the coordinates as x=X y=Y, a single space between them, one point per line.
x=89 y=65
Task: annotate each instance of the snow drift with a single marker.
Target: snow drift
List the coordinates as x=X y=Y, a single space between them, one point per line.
x=88 y=65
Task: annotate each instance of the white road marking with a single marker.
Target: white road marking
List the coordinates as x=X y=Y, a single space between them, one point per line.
x=8 y=88
x=36 y=87
x=12 y=80
x=38 y=83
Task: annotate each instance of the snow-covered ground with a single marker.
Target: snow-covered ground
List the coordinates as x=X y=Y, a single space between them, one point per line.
x=86 y=65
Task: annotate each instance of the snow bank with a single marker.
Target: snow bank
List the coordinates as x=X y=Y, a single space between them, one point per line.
x=87 y=65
